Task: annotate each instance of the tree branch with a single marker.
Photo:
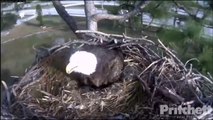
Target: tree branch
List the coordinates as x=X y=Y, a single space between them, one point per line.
x=140 y=6
x=193 y=16
x=101 y=16
x=66 y=17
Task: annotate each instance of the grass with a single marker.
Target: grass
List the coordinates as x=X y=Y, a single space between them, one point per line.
x=18 y=55
x=31 y=27
x=21 y=30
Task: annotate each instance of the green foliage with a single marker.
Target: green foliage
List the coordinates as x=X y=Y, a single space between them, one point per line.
x=210 y=2
x=159 y=9
x=173 y=35
x=206 y=59
x=189 y=44
x=113 y=9
x=137 y=22
x=189 y=4
x=187 y=40
x=39 y=13
x=8 y=20
x=192 y=29
x=128 y=4
x=18 y=6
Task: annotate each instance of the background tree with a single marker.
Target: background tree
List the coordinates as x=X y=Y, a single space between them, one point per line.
x=8 y=20
x=93 y=17
x=187 y=38
x=18 y=6
x=39 y=15
x=184 y=36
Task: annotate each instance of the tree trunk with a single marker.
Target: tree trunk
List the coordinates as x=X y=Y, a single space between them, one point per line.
x=66 y=17
x=90 y=10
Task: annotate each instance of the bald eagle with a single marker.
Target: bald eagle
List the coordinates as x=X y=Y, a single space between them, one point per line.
x=95 y=65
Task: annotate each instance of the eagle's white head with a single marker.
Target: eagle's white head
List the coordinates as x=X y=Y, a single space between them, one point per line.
x=82 y=62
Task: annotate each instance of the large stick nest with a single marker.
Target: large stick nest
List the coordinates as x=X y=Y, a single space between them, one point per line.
x=152 y=76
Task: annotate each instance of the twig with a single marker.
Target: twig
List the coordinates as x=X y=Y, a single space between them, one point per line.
x=202 y=116
x=191 y=60
x=205 y=78
x=7 y=92
x=172 y=54
x=114 y=35
x=171 y=95
x=145 y=85
x=153 y=63
x=91 y=31
x=210 y=75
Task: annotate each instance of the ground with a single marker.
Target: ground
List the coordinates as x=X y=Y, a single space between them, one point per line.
x=18 y=53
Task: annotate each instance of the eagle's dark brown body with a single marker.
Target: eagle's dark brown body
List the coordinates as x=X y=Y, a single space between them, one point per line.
x=108 y=70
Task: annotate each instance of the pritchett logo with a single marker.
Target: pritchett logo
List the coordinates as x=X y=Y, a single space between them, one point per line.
x=183 y=110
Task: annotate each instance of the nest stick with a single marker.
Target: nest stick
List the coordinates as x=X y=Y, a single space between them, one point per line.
x=171 y=54
x=7 y=92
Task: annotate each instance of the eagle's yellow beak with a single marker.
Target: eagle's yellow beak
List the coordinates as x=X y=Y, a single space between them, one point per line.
x=70 y=68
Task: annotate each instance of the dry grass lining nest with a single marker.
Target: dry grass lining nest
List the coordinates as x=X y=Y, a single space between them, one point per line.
x=152 y=76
